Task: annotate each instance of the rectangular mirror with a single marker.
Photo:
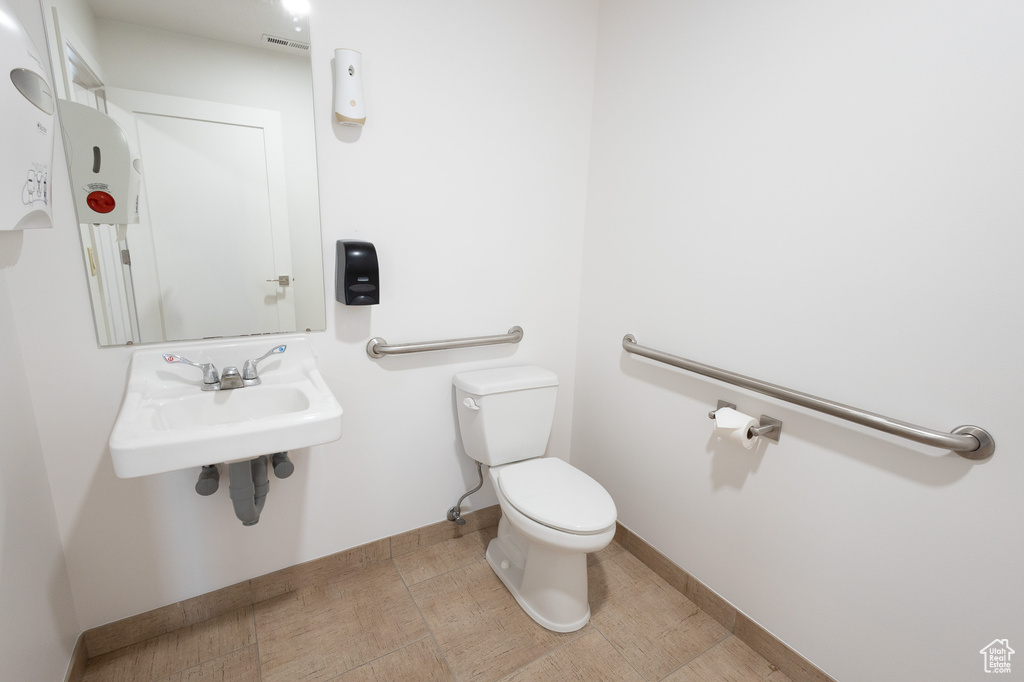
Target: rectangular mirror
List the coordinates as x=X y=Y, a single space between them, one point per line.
x=217 y=165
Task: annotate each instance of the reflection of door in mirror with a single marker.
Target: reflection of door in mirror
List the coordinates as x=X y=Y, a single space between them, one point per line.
x=189 y=279
x=213 y=239
x=105 y=248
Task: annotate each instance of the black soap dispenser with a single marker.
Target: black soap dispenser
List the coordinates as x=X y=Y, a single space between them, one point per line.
x=356 y=275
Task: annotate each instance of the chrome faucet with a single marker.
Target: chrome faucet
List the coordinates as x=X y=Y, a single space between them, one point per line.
x=230 y=378
x=249 y=375
x=211 y=381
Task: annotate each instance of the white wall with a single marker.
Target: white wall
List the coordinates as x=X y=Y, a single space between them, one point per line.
x=470 y=178
x=38 y=626
x=829 y=198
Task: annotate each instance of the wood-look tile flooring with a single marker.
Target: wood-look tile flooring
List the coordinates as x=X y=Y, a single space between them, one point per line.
x=440 y=613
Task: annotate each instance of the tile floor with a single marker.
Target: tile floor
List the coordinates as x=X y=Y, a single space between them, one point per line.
x=440 y=613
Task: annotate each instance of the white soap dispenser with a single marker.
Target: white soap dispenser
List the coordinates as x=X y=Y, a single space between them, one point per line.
x=104 y=177
x=349 y=108
x=26 y=136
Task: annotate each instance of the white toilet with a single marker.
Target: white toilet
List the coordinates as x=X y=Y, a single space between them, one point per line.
x=551 y=513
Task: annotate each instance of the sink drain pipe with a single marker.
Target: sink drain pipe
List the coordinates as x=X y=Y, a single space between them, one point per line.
x=248 y=489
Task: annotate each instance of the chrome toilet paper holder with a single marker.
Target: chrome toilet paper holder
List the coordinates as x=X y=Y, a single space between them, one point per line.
x=768 y=428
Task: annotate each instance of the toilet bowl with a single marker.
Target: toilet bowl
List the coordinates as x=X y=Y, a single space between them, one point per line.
x=552 y=514
x=543 y=561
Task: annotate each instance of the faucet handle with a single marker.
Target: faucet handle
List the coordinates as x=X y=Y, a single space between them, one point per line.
x=209 y=371
x=249 y=368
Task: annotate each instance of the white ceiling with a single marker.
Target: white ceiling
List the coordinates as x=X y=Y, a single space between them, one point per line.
x=234 y=21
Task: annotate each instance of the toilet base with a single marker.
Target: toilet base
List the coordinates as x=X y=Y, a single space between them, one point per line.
x=549 y=584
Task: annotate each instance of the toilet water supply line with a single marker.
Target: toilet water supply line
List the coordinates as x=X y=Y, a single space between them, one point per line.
x=455 y=513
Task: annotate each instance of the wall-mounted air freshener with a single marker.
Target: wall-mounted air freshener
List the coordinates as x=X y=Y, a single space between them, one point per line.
x=349 y=108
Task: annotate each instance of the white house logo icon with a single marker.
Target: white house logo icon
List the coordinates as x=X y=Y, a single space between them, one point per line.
x=997 y=656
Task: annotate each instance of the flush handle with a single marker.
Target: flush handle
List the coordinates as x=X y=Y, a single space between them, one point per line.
x=471 y=404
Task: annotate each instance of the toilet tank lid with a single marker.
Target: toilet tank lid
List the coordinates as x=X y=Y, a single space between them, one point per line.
x=504 y=379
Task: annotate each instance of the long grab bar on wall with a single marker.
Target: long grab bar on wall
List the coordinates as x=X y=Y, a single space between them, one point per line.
x=378 y=347
x=971 y=442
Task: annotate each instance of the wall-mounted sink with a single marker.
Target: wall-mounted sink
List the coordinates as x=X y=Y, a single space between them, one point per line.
x=168 y=423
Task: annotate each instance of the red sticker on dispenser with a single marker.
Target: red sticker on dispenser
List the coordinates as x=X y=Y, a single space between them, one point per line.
x=101 y=202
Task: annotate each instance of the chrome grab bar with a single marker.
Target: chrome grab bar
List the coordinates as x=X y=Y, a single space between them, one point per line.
x=378 y=347
x=971 y=442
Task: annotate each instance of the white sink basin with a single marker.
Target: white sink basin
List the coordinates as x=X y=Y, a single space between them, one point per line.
x=168 y=423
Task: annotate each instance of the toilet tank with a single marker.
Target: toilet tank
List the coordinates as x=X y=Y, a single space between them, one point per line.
x=505 y=414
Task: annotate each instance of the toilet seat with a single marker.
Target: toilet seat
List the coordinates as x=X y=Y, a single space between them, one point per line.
x=558 y=495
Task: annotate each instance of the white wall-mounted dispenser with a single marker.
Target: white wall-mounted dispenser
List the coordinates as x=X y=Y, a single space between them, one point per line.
x=26 y=133
x=104 y=177
x=349 y=108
